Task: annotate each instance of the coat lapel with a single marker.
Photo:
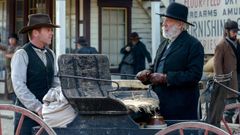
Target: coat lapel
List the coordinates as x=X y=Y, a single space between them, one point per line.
x=176 y=44
x=160 y=52
x=229 y=47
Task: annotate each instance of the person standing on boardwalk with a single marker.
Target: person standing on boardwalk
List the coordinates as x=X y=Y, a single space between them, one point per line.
x=33 y=68
x=177 y=67
x=226 y=60
x=134 y=54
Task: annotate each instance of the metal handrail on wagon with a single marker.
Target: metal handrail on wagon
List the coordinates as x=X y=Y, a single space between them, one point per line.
x=127 y=75
x=93 y=79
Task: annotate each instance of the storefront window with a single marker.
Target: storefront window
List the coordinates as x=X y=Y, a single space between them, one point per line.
x=3 y=41
x=37 y=6
x=74 y=23
x=114 y=27
x=70 y=25
x=3 y=32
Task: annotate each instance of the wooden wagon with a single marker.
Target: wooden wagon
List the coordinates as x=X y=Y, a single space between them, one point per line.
x=86 y=83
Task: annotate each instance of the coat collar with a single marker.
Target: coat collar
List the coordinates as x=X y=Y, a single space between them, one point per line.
x=174 y=45
x=178 y=42
x=229 y=47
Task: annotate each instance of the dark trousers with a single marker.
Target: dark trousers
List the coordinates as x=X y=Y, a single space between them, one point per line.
x=217 y=104
x=27 y=125
x=127 y=69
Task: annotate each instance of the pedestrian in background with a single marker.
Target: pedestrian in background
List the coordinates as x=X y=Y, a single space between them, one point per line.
x=33 y=69
x=8 y=53
x=82 y=47
x=226 y=60
x=177 y=68
x=134 y=54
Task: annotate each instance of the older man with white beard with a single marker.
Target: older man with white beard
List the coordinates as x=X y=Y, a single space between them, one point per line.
x=177 y=68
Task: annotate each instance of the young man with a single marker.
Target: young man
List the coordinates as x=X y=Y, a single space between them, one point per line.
x=33 y=68
x=226 y=60
x=177 y=68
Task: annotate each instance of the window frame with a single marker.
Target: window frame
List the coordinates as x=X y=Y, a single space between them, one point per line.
x=115 y=4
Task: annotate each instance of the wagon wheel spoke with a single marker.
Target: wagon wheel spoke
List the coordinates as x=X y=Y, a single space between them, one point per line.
x=20 y=125
x=40 y=131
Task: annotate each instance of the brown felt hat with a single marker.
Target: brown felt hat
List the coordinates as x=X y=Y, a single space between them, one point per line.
x=38 y=21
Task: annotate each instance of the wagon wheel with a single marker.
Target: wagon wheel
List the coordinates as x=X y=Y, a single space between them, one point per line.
x=26 y=113
x=207 y=128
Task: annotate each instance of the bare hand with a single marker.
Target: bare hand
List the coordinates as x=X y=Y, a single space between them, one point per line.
x=128 y=49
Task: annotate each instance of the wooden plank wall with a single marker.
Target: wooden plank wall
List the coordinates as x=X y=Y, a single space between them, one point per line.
x=141 y=23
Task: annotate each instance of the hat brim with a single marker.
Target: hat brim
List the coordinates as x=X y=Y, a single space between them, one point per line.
x=176 y=18
x=235 y=29
x=28 y=28
x=135 y=38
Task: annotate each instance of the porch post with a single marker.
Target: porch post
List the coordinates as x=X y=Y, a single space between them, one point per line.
x=155 y=6
x=60 y=32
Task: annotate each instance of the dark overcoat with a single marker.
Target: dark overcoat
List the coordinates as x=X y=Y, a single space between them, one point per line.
x=183 y=66
x=87 y=50
x=139 y=52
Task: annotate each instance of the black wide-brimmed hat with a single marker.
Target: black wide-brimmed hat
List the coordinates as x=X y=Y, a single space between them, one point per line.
x=231 y=25
x=177 y=11
x=13 y=35
x=134 y=35
x=82 y=41
x=37 y=21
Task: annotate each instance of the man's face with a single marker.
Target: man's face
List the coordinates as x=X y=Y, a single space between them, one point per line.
x=171 y=28
x=12 y=41
x=134 y=41
x=78 y=45
x=233 y=34
x=45 y=35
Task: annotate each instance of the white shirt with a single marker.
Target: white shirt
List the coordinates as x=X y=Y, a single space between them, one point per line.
x=19 y=64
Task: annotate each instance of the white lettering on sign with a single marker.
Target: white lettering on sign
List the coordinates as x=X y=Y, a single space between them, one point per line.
x=209 y=17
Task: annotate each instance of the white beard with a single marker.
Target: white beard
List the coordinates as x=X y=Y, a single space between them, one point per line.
x=172 y=32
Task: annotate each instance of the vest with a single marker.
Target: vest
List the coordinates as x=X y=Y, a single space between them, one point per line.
x=39 y=76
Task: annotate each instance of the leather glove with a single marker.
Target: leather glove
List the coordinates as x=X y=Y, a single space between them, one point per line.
x=143 y=76
x=158 y=78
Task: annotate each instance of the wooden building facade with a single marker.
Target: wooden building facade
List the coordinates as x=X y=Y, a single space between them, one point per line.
x=106 y=24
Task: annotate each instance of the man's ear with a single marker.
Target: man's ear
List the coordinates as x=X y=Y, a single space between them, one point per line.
x=35 y=33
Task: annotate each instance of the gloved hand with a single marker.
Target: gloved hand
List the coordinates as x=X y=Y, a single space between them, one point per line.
x=143 y=76
x=158 y=78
